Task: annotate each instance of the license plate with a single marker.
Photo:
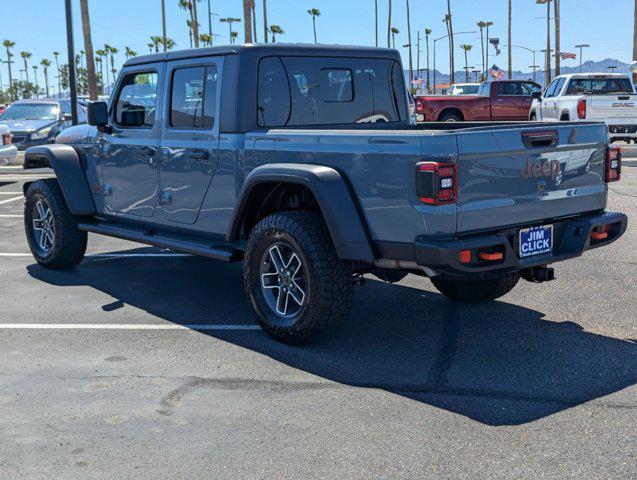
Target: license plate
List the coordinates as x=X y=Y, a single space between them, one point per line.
x=536 y=240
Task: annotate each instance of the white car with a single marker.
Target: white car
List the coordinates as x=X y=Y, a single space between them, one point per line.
x=606 y=97
x=8 y=151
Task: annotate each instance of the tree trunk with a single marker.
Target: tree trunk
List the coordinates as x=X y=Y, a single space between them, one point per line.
x=509 y=42
x=389 y=25
x=265 y=22
x=314 y=27
x=635 y=41
x=247 y=21
x=482 y=51
x=411 y=65
x=254 y=21
x=556 y=14
x=466 y=67
x=376 y=21
x=26 y=69
x=428 y=85
x=46 y=81
x=11 y=76
x=195 y=24
x=453 y=54
x=88 y=48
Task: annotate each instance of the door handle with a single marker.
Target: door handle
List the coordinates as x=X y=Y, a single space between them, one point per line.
x=199 y=155
x=145 y=152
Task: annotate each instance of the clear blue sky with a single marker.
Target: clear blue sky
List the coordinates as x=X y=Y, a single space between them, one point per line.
x=38 y=25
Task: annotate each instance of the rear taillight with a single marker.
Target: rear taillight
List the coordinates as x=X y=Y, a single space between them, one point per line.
x=613 y=164
x=581 y=108
x=6 y=139
x=420 y=106
x=437 y=182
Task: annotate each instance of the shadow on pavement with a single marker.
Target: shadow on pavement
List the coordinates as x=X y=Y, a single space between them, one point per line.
x=497 y=363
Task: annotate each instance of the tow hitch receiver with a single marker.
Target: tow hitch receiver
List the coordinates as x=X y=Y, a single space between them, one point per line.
x=538 y=274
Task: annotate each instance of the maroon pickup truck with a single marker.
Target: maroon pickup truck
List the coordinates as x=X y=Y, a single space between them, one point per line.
x=496 y=100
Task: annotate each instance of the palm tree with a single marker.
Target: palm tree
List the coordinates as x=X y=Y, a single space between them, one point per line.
x=394 y=32
x=206 y=39
x=8 y=44
x=466 y=48
x=191 y=7
x=427 y=33
x=556 y=14
x=314 y=12
x=254 y=21
x=376 y=22
x=265 y=22
x=510 y=46
x=170 y=43
x=451 y=42
x=25 y=56
x=113 y=51
x=482 y=25
x=35 y=74
x=411 y=65
x=82 y=58
x=233 y=36
x=99 y=58
x=57 y=65
x=46 y=63
x=150 y=46
x=88 y=48
x=130 y=53
x=247 y=21
x=276 y=30
x=389 y=25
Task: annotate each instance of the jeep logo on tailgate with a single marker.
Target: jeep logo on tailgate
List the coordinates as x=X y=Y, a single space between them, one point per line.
x=542 y=168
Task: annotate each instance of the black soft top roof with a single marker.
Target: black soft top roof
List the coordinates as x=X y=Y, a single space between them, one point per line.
x=264 y=49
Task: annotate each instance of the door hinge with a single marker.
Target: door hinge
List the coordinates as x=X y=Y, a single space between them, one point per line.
x=165 y=197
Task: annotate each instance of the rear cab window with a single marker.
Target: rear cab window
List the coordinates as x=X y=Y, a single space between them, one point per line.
x=599 y=86
x=306 y=91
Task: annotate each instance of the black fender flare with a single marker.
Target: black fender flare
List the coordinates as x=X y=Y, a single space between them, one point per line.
x=333 y=194
x=66 y=163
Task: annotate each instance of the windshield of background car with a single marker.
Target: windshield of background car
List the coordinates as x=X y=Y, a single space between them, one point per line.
x=484 y=89
x=31 y=111
x=603 y=86
x=527 y=88
x=305 y=91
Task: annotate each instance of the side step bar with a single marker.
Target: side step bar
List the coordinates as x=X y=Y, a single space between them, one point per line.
x=177 y=242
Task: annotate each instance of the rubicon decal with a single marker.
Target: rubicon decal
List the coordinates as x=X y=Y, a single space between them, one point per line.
x=542 y=168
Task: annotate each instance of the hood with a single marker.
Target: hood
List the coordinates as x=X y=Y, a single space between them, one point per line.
x=26 y=125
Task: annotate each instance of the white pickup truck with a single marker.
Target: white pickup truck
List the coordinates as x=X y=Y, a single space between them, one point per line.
x=607 y=97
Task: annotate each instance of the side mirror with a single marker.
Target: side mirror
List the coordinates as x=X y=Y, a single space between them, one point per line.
x=536 y=95
x=67 y=117
x=97 y=113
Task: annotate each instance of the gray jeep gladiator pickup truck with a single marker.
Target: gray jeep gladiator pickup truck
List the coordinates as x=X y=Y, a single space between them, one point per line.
x=301 y=162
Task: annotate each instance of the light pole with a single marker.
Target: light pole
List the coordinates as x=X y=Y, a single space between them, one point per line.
x=442 y=38
x=486 y=44
x=230 y=21
x=612 y=68
x=71 y=59
x=476 y=71
x=547 y=62
x=163 y=23
x=528 y=50
x=580 y=46
x=534 y=67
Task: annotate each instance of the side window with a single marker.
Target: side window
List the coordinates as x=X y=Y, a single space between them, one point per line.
x=136 y=102
x=485 y=89
x=548 y=93
x=558 y=87
x=508 y=89
x=186 y=98
x=528 y=88
x=273 y=93
x=210 y=96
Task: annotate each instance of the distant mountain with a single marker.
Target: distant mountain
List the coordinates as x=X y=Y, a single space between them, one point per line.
x=568 y=66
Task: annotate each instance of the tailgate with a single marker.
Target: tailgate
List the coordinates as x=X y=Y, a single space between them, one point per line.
x=522 y=175
x=608 y=107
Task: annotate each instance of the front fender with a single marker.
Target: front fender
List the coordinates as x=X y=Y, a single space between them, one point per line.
x=66 y=164
x=334 y=196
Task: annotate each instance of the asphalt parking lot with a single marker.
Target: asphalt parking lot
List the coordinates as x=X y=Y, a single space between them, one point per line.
x=142 y=363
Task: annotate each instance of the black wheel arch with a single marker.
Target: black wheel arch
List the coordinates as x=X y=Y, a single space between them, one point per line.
x=70 y=172
x=274 y=187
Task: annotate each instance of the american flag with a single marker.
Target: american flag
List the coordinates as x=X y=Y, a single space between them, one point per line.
x=566 y=55
x=496 y=72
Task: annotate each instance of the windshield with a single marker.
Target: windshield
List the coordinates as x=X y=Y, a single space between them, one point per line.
x=465 y=90
x=602 y=86
x=31 y=111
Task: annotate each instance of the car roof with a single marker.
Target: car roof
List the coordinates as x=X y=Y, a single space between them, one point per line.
x=39 y=100
x=264 y=49
x=587 y=76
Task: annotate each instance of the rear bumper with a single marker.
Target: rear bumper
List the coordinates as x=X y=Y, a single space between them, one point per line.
x=572 y=238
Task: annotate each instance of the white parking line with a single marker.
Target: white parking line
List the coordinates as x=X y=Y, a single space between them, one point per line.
x=17 y=178
x=121 y=326
x=10 y=193
x=11 y=199
x=111 y=255
x=11 y=216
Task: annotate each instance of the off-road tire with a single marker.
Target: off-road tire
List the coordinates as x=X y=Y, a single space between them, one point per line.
x=69 y=244
x=477 y=289
x=329 y=286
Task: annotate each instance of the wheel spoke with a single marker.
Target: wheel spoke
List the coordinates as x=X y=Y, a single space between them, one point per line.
x=42 y=240
x=277 y=258
x=294 y=265
x=282 y=302
x=270 y=280
x=37 y=224
x=50 y=235
x=41 y=210
x=297 y=293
